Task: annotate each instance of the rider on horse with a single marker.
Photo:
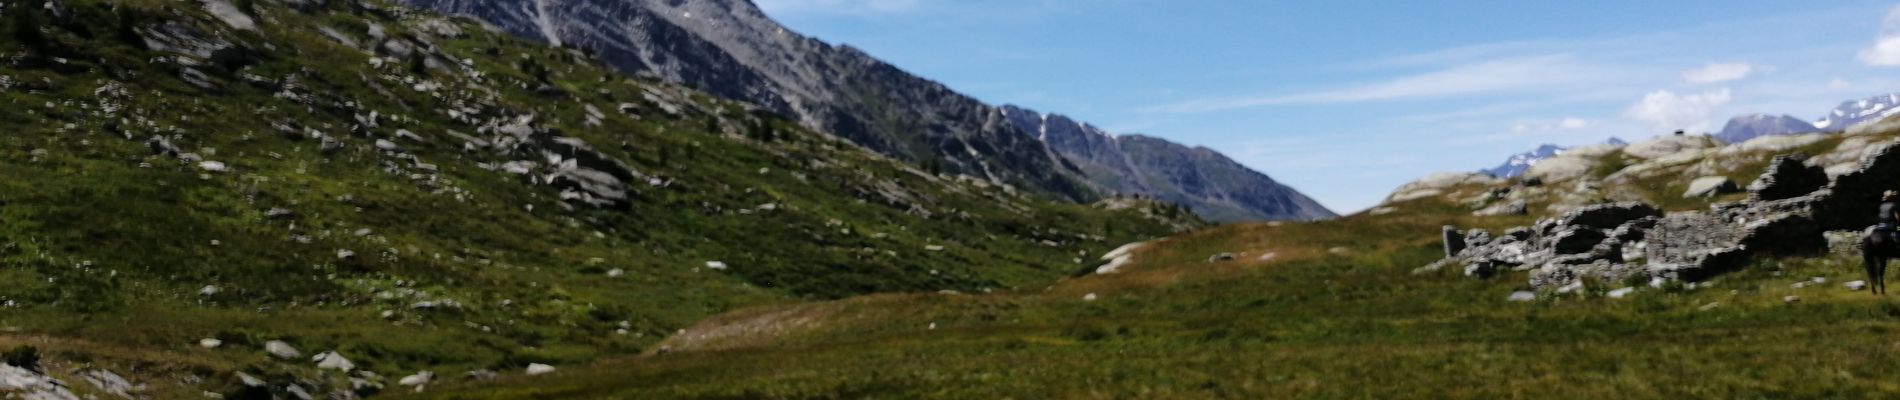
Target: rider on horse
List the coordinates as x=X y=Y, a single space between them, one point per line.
x=1889 y=214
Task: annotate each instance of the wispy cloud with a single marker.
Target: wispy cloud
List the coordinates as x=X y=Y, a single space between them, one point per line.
x=851 y=7
x=1718 y=72
x=1886 y=50
x=1489 y=76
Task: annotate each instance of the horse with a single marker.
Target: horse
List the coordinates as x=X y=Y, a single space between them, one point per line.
x=1876 y=249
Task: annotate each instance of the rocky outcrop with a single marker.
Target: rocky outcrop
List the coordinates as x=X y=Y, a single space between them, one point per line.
x=1788 y=214
x=1787 y=177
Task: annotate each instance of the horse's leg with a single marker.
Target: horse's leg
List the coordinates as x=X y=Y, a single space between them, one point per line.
x=1877 y=274
x=1868 y=260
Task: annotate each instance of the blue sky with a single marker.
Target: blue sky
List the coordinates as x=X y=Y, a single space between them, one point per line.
x=1346 y=100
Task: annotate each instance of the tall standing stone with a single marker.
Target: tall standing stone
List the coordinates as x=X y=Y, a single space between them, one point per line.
x=1454 y=241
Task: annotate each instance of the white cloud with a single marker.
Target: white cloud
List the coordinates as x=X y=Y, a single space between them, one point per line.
x=1717 y=72
x=1666 y=110
x=1886 y=50
x=1499 y=75
x=853 y=7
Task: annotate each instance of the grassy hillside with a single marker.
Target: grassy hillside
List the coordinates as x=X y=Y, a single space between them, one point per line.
x=1330 y=309
x=1335 y=313
x=335 y=177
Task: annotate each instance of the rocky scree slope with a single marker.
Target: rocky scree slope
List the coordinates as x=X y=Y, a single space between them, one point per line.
x=732 y=49
x=1813 y=193
x=1204 y=180
x=201 y=195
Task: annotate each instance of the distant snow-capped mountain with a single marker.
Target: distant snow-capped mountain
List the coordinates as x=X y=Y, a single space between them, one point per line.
x=1855 y=112
x=1742 y=128
x=1520 y=162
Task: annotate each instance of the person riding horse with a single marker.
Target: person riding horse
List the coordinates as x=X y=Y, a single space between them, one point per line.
x=1882 y=242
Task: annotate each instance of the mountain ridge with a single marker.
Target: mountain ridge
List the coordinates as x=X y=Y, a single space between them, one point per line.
x=733 y=49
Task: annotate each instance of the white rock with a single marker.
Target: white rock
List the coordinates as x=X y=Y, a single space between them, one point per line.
x=539 y=369
x=716 y=265
x=208 y=290
x=933 y=248
x=1791 y=299
x=419 y=379
x=298 y=392
x=1621 y=293
x=1522 y=295
x=210 y=343
x=16 y=382
x=212 y=166
x=279 y=349
x=249 y=380
x=1089 y=297
x=230 y=14
x=615 y=273
x=332 y=360
x=1573 y=287
x=1855 y=285
x=385 y=145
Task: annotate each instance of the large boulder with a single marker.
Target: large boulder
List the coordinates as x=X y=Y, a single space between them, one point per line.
x=1787 y=177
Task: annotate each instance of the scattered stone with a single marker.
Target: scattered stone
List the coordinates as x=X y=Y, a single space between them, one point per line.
x=1221 y=257
x=716 y=265
x=1522 y=296
x=1621 y=293
x=208 y=291
x=343 y=254
x=212 y=166
x=1855 y=285
x=615 y=273
x=1791 y=299
x=480 y=375
x=1088 y=297
x=933 y=248
x=332 y=360
x=279 y=349
x=417 y=380
x=280 y=213
x=210 y=343
x=111 y=383
x=539 y=369
x=249 y=380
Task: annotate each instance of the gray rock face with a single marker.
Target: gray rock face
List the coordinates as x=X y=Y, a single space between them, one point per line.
x=1742 y=128
x=731 y=49
x=1214 y=186
x=1607 y=216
